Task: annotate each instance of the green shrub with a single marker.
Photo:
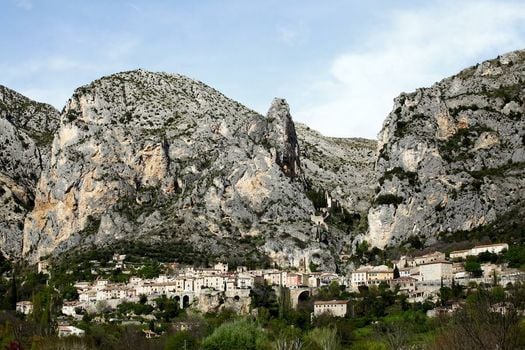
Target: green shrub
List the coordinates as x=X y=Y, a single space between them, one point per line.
x=237 y=335
x=401 y=174
x=181 y=340
x=323 y=338
x=386 y=199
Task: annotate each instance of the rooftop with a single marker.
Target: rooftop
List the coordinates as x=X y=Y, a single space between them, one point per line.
x=326 y=302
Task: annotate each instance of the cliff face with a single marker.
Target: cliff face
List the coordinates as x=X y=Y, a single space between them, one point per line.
x=282 y=132
x=157 y=157
x=452 y=156
x=152 y=156
x=26 y=132
x=341 y=167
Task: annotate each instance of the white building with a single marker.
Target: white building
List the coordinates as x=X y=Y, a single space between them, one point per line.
x=221 y=267
x=435 y=271
x=241 y=269
x=336 y=308
x=378 y=274
x=313 y=280
x=370 y=275
x=24 y=307
x=245 y=281
x=406 y=285
x=43 y=267
x=495 y=248
x=460 y=254
x=404 y=271
x=491 y=248
x=69 y=307
x=66 y=331
x=428 y=258
x=214 y=282
x=276 y=278
x=359 y=277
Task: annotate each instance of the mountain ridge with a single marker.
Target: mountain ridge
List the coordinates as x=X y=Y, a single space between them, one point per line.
x=148 y=156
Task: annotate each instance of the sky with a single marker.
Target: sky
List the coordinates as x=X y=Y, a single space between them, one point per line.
x=339 y=64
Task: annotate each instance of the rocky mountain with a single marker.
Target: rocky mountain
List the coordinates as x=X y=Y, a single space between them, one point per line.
x=452 y=156
x=153 y=157
x=165 y=160
x=26 y=133
x=343 y=167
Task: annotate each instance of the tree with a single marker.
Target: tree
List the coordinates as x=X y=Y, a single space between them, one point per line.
x=150 y=270
x=395 y=333
x=236 y=335
x=324 y=338
x=330 y=292
x=479 y=325
x=13 y=298
x=515 y=256
x=263 y=295
x=473 y=267
x=102 y=306
x=180 y=341
x=396 y=272
x=288 y=339
x=169 y=308
x=445 y=294
x=70 y=293
x=457 y=290
x=43 y=309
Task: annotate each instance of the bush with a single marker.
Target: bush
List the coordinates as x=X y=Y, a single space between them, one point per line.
x=473 y=266
x=323 y=338
x=516 y=256
x=387 y=199
x=238 y=335
x=181 y=340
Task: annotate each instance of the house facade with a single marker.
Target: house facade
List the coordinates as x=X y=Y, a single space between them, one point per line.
x=336 y=308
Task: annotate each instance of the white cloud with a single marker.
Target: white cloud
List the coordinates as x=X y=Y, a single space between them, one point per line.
x=415 y=49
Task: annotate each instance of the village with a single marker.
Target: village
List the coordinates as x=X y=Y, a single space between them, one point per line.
x=212 y=289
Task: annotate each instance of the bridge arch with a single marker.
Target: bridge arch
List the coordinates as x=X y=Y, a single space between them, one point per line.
x=299 y=295
x=185 y=302
x=303 y=296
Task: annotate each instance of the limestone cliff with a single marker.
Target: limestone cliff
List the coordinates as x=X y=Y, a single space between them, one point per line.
x=452 y=156
x=154 y=156
x=341 y=167
x=26 y=132
x=160 y=157
x=282 y=131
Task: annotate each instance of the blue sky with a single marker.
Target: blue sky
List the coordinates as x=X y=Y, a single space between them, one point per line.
x=338 y=63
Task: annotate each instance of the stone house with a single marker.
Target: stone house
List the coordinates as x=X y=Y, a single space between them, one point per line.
x=336 y=308
x=436 y=271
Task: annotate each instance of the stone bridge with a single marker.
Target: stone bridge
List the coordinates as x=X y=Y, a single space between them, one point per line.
x=300 y=294
x=296 y=294
x=183 y=298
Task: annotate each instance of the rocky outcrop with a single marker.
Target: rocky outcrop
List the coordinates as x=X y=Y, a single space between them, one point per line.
x=343 y=168
x=452 y=156
x=26 y=132
x=155 y=156
x=282 y=132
